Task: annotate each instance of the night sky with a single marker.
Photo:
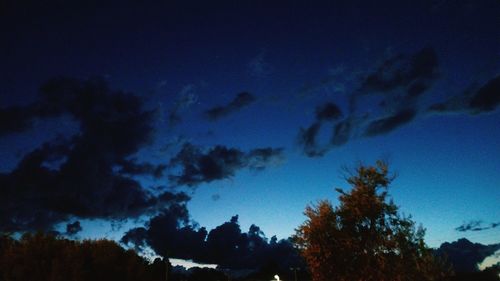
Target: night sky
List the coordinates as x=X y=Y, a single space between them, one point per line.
x=112 y=113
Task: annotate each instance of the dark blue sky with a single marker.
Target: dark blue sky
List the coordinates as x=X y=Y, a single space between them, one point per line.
x=253 y=107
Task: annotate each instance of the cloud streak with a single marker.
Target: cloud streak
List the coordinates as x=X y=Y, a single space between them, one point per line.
x=403 y=71
x=390 y=123
x=217 y=163
x=476 y=225
x=241 y=100
x=483 y=100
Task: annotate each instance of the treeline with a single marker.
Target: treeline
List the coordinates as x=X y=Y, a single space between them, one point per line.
x=45 y=257
x=48 y=258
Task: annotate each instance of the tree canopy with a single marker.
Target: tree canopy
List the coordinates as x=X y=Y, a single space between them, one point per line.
x=365 y=237
x=47 y=257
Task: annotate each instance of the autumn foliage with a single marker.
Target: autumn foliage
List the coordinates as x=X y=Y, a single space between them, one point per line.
x=365 y=238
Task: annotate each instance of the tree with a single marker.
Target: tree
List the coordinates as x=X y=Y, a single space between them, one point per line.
x=365 y=238
x=50 y=258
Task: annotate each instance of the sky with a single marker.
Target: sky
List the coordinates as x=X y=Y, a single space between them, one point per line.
x=112 y=113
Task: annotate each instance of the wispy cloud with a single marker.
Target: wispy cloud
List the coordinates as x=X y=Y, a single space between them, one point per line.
x=241 y=100
x=186 y=98
x=476 y=225
x=473 y=101
x=258 y=65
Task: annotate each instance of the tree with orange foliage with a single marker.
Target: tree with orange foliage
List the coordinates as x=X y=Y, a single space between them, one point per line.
x=365 y=238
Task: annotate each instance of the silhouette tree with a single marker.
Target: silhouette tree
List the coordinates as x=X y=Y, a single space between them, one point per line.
x=365 y=238
x=50 y=258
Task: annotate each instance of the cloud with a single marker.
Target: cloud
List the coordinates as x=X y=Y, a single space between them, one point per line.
x=328 y=112
x=487 y=97
x=308 y=143
x=261 y=158
x=476 y=225
x=465 y=255
x=341 y=130
x=398 y=82
x=241 y=100
x=186 y=98
x=335 y=82
x=198 y=166
x=73 y=228
x=131 y=167
x=171 y=234
x=403 y=71
x=307 y=138
x=136 y=237
x=482 y=100
x=89 y=174
x=387 y=124
x=258 y=66
x=15 y=119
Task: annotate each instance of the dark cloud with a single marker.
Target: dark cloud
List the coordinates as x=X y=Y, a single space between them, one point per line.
x=440 y=107
x=241 y=100
x=328 y=112
x=487 y=97
x=135 y=237
x=198 y=166
x=261 y=158
x=73 y=228
x=401 y=79
x=307 y=138
x=483 y=100
x=390 y=123
x=476 y=225
x=307 y=141
x=131 y=167
x=403 y=71
x=170 y=234
x=465 y=255
x=417 y=88
x=342 y=132
x=15 y=119
x=77 y=176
